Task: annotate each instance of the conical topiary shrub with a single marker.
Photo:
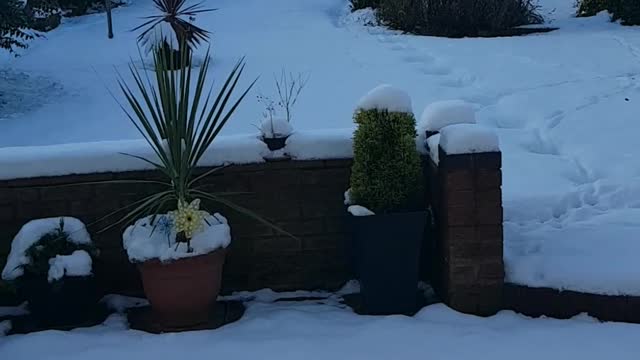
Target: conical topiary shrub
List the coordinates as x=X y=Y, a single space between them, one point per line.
x=386 y=174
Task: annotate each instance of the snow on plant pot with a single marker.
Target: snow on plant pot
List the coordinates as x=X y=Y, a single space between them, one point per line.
x=50 y=264
x=275 y=132
x=276 y=129
x=181 y=252
x=387 y=212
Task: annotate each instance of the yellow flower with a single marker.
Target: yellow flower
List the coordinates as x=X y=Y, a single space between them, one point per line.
x=188 y=219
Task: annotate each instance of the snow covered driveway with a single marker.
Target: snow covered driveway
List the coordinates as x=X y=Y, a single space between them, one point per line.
x=309 y=330
x=565 y=105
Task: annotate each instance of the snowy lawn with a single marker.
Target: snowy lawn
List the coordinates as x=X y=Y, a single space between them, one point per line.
x=564 y=104
x=326 y=330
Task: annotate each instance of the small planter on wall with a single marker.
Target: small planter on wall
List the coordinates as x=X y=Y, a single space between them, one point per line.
x=275 y=132
x=386 y=255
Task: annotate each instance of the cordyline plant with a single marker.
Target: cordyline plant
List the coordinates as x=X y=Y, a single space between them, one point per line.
x=178 y=15
x=180 y=124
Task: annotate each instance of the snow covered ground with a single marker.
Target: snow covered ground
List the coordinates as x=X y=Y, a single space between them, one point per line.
x=565 y=106
x=326 y=330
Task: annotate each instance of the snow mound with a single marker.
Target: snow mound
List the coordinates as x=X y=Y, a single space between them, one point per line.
x=468 y=138
x=357 y=210
x=145 y=240
x=14 y=310
x=77 y=264
x=120 y=303
x=275 y=128
x=320 y=144
x=5 y=327
x=31 y=232
x=347 y=197
x=386 y=97
x=362 y=17
x=433 y=143
x=107 y=156
x=443 y=113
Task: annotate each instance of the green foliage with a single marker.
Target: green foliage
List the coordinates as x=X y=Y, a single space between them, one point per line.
x=627 y=11
x=13 y=24
x=362 y=4
x=54 y=243
x=179 y=16
x=458 y=18
x=386 y=175
x=178 y=117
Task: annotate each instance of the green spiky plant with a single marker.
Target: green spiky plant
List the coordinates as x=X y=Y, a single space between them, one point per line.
x=180 y=121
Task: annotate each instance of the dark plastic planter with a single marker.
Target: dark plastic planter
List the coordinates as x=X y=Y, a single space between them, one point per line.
x=275 y=143
x=71 y=300
x=386 y=258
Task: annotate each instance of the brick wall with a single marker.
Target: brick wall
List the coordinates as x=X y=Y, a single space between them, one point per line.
x=467 y=265
x=304 y=197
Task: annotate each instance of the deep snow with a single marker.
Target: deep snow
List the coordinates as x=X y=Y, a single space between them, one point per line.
x=79 y=263
x=324 y=329
x=564 y=104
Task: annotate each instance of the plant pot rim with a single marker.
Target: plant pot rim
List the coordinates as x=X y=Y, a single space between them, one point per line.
x=181 y=259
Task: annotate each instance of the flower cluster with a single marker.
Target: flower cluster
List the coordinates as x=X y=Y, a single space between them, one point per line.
x=188 y=219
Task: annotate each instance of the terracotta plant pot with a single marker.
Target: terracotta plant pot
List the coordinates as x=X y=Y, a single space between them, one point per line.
x=183 y=292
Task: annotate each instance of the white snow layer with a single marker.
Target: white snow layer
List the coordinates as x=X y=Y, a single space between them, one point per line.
x=563 y=166
x=14 y=310
x=357 y=210
x=433 y=143
x=325 y=329
x=5 y=327
x=31 y=232
x=275 y=128
x=107 y=156
x=449 y=112
x=146 y=241
x=77 y=264
x=467 y=139
x=386 y=97
x=320 y=144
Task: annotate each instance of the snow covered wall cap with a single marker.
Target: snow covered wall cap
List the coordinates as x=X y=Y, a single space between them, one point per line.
x=386 y=97
x=468 y=139
x=439 y=114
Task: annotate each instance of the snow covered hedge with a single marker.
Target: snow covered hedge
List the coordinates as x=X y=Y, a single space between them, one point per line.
x=50 y=248
x=457 y=18
x=386 y=173
x=627 y=11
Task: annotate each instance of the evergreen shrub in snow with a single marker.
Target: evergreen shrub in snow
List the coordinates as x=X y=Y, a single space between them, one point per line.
x=13 y=24
x=458 y=18
x=627 y=11
x=386 y=174
x=363 y=4
x=44 y=243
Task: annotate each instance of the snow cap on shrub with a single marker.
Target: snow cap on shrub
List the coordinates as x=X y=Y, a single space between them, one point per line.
x=443 y=113
x=32 y=232
x=467 y=139
x=386 y=172
x=386 y=97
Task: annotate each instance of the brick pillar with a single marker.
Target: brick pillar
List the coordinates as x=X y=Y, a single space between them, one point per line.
x=469 y=237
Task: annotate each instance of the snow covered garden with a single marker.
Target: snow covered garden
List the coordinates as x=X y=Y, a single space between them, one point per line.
x=312 y=102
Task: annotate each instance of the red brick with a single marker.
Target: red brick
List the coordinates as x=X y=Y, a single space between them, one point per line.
x=456 y=198
x=489 y=215
x=458 y=180
x=488 y=198
x=488 y=179
x=459 y=216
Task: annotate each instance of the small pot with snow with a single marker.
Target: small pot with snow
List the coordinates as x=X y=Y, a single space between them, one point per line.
x=275 y=132
x=385 y=202
x=179 y=247
x=51 y=263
